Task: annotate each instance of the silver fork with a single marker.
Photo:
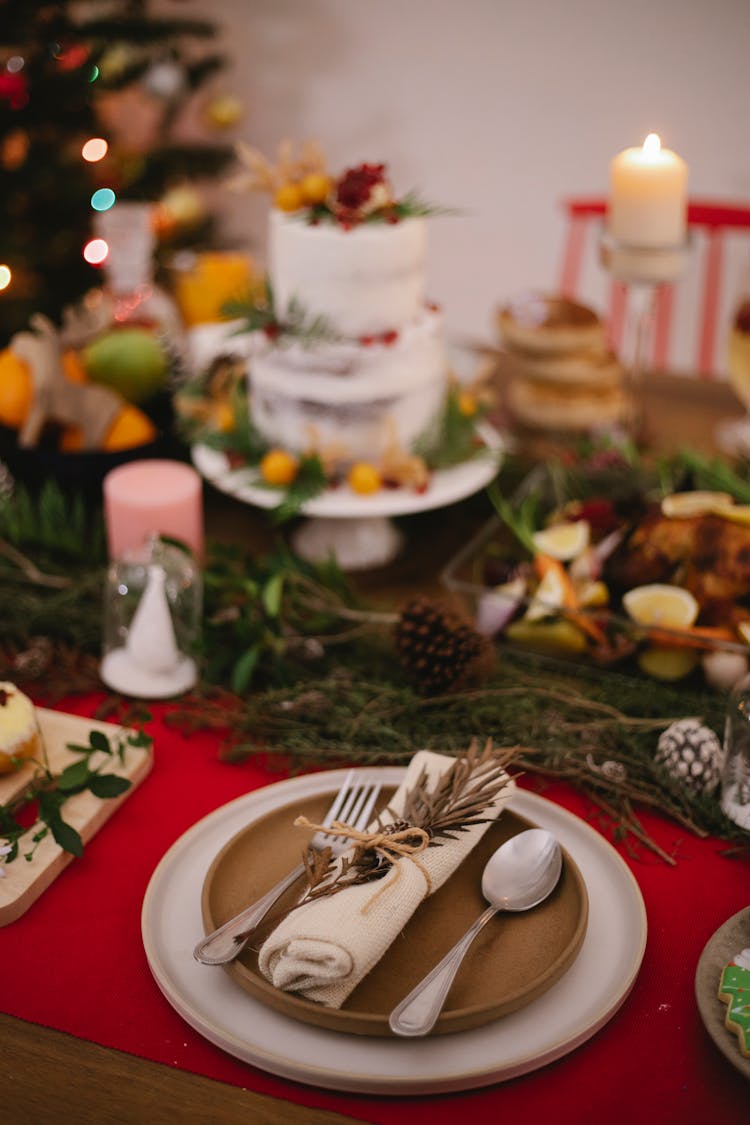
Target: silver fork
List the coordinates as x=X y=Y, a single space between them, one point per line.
x=352 y=805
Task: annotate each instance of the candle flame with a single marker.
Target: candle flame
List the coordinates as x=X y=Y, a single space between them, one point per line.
x=652 y=144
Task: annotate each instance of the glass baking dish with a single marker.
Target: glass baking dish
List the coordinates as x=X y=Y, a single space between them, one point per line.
x=483 y=577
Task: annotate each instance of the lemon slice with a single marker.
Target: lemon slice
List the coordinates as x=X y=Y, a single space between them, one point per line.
x=737 y=513
x=593 y=594
x=563 y=541
x=664 y=663
x=548 y=597
x=680 y=505
x=547 y=636
x=671 y=607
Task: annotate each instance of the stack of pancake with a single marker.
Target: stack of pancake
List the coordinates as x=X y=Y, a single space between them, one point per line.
x=562 y=375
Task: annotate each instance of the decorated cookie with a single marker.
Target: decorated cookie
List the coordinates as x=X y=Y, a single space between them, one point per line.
x=734 y=990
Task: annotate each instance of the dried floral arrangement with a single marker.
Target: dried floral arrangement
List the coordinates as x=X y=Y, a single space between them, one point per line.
x=299 y=183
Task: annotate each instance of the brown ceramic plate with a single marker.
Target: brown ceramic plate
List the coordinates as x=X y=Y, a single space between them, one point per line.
x=514 y=959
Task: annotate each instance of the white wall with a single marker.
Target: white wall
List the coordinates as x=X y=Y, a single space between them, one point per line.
x=497 y=108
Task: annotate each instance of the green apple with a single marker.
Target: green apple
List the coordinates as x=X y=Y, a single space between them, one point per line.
x=129 y=360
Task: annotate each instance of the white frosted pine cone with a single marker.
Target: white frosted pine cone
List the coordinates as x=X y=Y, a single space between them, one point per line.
x=691 y=753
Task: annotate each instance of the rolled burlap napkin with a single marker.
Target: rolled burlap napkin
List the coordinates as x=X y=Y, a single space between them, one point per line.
x=324 y=947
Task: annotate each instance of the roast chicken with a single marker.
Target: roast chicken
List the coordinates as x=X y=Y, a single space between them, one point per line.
x=707 y=554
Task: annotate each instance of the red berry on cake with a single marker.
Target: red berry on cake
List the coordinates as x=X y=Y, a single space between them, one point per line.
x=362 y=190
x=19 y=731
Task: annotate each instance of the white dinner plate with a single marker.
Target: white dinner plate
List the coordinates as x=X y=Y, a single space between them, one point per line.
x=573 y=1010
x=446 y=486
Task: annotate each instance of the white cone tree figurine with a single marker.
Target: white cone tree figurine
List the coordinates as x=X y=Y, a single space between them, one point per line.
x=151 y=642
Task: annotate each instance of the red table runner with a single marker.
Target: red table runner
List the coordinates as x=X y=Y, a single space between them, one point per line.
x=78 y=965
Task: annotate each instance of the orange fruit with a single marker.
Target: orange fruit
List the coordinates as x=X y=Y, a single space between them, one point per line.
x=467 y=404
x=222 y=416
x=74 y=368
x=130 y=428
x=16 y=390
x=278 y=467
x=364 y=478
x=289 y=197
x=315 y=187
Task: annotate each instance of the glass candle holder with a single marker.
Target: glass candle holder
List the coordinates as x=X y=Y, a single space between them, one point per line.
x=735 y=780
x=152 y=621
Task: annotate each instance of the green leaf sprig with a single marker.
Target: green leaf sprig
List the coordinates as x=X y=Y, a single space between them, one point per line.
x=411 y=206
x=521 y=519
x=453 y=439
x=309 y=482
x=51 y=792
x=260 y=314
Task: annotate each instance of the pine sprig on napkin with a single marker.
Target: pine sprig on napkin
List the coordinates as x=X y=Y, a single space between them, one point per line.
x=457 y=801
x=460 y=795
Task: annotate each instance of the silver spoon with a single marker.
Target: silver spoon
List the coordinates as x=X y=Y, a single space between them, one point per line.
x=519 y=875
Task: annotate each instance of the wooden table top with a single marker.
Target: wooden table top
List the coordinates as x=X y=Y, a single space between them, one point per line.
x=48 y=1075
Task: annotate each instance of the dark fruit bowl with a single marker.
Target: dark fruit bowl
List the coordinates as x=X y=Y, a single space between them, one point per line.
x=84 y=472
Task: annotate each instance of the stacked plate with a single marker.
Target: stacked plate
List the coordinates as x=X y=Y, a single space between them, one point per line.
x=563 y=375
x=542 y=983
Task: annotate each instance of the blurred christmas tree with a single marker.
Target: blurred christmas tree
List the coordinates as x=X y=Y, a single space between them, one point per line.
x=111 y=73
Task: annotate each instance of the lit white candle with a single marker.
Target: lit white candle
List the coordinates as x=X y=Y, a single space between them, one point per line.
x=648 y=196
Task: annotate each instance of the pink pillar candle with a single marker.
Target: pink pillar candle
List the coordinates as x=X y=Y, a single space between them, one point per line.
x=143 y=498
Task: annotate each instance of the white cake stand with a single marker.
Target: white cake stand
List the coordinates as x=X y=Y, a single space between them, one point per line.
x=356 y=530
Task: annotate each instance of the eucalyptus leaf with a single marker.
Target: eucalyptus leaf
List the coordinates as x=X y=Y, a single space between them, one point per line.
x=74 y=776
x=67 y=837
x=107 y=785
x=272 y=593
x=99 y=741
x=243 y=671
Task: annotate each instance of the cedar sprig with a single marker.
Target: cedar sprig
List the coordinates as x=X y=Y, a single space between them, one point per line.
x=460 y=795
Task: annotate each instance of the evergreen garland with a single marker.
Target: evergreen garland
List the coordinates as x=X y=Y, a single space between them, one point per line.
x=293 y=665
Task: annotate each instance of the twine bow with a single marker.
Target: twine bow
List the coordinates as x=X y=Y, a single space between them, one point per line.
x=384 y=844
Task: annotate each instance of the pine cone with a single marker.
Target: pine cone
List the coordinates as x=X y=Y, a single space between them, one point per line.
x=438 y=649
x=692 y=754
x=372 y=865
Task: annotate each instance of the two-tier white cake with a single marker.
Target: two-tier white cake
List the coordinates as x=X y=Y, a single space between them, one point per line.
x=374 y=373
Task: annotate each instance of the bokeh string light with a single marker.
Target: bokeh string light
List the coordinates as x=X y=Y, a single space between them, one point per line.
x=94 y=149
x=95 y=251
x=103 y=199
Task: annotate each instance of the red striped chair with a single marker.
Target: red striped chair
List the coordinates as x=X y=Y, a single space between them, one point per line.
x=714 y=220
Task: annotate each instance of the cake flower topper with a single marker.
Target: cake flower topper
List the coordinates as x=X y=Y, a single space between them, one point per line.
x=301 y=184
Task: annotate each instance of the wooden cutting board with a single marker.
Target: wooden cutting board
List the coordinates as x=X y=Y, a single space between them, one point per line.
x=24 y=881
